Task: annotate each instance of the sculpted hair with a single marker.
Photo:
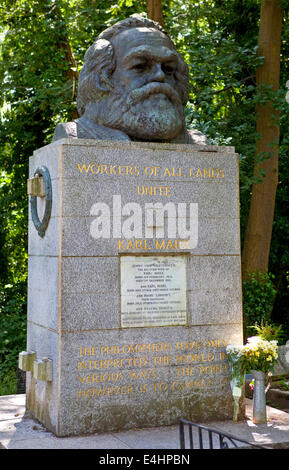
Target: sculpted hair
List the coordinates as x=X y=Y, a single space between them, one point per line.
x=99 y=64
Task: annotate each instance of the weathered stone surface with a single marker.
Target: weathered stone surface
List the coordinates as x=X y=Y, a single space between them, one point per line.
x=167 y=377
x=282 y=366
x=42 y=397
x=43 y=290
x=105 y=376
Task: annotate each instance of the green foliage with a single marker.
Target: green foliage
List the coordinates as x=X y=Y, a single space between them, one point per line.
x=13 y=325
x=218 y=39
x=8 y=382
x=269 y=331
x=259 y=294
x=283 y=385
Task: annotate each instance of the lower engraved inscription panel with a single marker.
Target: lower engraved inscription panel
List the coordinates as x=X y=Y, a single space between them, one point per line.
x=153 y=291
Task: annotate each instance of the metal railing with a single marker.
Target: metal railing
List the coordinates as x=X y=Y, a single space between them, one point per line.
x=203 y=437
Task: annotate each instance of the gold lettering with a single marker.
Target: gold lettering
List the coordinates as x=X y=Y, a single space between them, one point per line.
x=103 y=169
x=146 y=374
x=122 y=170
x=188 y=345
x=160 y=386
x=206 y=172
x=195 y=368
x=151 y=170
x=161 y=360
x=106 y=377
x=203 y=357
x=135 y=348
x=120 y=244
x=112 y=169
x=173 y=172
x=92 y=170
x=90 y=351
x=137 y=245
x=148 y=170
x=215 y=343
x=81 y=365
x=153 y=190
x=177 y=385
x=138 y=190
x=130 y=245
x=185 y=371
x=148 y=190
x=212 y=369
x=162 y=246
x=222 y=356
x=86 y=169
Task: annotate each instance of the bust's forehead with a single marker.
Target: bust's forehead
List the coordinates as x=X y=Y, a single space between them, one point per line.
x=141 y=33
x=142 y=39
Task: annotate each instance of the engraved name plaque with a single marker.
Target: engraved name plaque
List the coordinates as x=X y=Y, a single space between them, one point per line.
x=153 y=291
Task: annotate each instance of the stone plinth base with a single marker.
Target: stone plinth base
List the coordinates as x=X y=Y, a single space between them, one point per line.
x=135 y=286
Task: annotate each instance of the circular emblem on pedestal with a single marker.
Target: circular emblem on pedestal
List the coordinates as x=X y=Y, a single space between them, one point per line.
x=41 y=225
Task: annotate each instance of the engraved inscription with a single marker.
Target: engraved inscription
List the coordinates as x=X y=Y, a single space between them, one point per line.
x=153 y=291
x=155 y=368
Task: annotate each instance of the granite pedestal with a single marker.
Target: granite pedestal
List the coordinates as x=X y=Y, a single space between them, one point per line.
x=135 y=287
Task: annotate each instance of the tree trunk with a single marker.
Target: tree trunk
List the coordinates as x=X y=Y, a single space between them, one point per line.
x=257 y=241
x=154 y=11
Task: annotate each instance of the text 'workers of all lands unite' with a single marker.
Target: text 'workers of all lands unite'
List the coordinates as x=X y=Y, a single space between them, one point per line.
x=178 y=220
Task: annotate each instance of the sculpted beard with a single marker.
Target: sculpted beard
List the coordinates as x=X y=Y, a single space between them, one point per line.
x=153 y=111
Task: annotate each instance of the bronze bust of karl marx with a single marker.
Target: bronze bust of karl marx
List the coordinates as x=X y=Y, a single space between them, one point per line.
x=134 y=85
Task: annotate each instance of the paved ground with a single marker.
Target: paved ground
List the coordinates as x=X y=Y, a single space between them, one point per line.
x=20 y=432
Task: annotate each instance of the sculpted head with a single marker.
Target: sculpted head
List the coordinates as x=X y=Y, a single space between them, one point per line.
x=134 y=80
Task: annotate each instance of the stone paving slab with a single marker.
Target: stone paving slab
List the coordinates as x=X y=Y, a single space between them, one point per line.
x=18 y=431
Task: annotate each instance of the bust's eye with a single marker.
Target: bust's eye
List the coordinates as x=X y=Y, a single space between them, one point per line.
x=139 y=67
x=168 y=68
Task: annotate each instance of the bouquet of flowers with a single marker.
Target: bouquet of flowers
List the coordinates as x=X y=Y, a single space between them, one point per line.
x=236 y=360
x=260 y=357
x=260 y=354
x=237 y=365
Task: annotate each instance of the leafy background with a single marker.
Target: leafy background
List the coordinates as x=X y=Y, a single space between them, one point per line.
x=218 y=40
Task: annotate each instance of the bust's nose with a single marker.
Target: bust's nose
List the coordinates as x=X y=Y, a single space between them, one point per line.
x=158 y=74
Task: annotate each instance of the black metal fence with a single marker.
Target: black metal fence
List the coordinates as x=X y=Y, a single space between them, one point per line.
x=196 y=436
